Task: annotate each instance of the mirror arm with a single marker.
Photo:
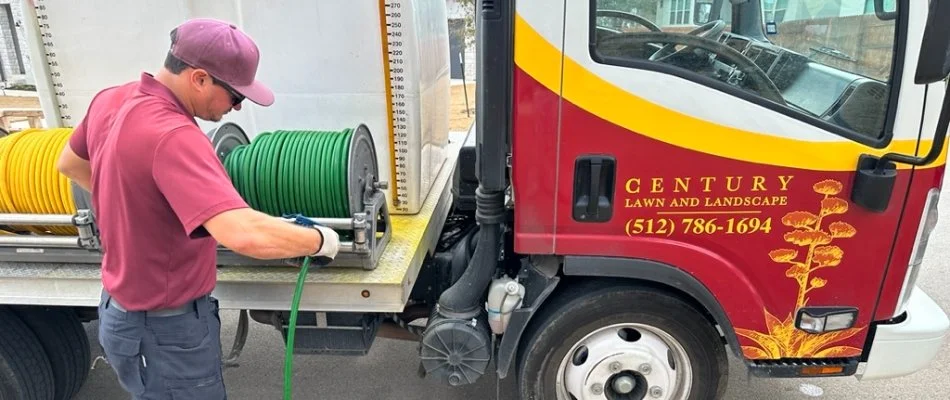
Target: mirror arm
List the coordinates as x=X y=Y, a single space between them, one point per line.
x=939 y=137
x=881 y=14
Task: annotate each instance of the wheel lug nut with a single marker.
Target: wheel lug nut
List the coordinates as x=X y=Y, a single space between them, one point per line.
x=656 y=391
x=646 y=369
x=597 y=389
x=616 y=367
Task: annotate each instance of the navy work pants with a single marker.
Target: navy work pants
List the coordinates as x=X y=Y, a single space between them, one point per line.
x=168 y=354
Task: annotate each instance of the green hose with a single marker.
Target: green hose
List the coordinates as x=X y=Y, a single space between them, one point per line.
x=289 y=354
x=294 y=172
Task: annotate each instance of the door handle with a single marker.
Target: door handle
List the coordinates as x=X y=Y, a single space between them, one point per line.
x=593 y=188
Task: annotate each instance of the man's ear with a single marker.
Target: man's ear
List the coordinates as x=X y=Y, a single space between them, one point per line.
x=199 y=78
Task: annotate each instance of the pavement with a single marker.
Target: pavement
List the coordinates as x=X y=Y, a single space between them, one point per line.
x=389 y=370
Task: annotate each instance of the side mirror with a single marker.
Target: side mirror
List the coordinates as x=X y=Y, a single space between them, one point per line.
x=934 y=62
x=874 y=181
x=702 y=11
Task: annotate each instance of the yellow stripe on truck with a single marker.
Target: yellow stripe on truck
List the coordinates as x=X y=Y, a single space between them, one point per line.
x=542 y=61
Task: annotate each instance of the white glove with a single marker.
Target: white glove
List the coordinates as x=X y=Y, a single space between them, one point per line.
x=330 y=244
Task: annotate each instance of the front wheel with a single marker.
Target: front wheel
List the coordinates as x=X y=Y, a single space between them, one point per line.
x=622 y=343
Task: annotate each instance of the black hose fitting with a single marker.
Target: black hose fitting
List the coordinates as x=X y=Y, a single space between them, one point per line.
x=490 y=207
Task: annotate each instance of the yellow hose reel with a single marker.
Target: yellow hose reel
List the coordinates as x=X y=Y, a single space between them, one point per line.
x=29 y=180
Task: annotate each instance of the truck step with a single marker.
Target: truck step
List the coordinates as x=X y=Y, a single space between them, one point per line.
x=797 y=368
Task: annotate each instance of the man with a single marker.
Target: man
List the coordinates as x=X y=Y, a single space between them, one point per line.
x=163 y=201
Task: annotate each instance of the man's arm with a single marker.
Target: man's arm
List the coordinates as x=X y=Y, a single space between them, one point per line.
x=75 y=168
x=74 y=159
x=258 y=235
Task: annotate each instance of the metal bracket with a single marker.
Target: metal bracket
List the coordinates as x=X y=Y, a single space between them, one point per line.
x=88 y=232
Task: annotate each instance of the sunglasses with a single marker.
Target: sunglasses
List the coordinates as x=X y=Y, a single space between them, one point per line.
x=236 y=98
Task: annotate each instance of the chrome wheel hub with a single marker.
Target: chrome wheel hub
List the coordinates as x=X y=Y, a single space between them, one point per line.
x=625 y=361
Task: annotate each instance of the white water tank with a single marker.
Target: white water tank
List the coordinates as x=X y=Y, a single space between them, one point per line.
x=323 y=59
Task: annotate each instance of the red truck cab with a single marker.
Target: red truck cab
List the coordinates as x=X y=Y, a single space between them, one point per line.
x=714 y=175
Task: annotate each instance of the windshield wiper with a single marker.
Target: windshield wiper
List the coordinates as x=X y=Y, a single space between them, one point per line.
x=830 y=51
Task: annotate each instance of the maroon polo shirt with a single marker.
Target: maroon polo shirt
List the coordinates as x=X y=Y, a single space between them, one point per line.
x=155 y=181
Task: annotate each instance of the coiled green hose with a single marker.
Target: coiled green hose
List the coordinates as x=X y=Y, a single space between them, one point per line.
x=294 y=172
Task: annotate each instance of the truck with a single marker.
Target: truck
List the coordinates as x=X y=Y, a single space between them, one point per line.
x=648 y=187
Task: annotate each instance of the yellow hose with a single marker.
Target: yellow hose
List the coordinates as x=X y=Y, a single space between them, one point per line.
x=29 y=180
x=6 y=155
x=6 y=152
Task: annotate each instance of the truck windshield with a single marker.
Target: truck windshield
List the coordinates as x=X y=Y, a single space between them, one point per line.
x=827 y=61
x=843 y=34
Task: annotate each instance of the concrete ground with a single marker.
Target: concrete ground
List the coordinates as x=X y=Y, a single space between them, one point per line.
x=389 y=370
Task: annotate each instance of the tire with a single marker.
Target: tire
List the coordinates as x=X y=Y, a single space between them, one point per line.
x=64 y=340
x=25 y=372
x=616 y=324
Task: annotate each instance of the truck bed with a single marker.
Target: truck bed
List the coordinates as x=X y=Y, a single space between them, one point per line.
x=384 y=289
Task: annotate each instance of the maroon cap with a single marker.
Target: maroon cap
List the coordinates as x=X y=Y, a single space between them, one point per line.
x=225 y=52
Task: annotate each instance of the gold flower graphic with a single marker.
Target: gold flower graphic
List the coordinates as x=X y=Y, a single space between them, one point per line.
x=799 y=219
x=783 y=255
x=828 y=187
x=827 y=256
x=841 y=230
x=783 y=339
x=806 y=238
x=796 y=271
x=833 y=205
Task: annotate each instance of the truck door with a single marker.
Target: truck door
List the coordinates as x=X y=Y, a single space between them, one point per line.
x=535 y=107
x=690 y=137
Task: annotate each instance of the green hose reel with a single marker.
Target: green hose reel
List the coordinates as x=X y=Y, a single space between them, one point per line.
x=328 y=176
x=331 y=177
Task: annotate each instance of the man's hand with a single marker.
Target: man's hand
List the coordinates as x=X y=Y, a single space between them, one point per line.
x=331 y=243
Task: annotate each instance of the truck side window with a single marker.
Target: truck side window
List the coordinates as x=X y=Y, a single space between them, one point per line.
x=816 y=60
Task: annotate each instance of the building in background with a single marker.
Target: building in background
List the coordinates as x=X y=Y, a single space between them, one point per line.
x=15 y=68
